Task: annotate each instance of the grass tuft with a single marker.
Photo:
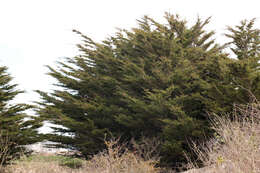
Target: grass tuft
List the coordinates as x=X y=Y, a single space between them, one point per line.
x=236 y=146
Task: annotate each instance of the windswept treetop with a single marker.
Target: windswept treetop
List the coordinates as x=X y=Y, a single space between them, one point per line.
x=245 y=40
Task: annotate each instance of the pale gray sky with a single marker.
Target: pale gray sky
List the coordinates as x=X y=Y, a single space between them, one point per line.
x=34 y=33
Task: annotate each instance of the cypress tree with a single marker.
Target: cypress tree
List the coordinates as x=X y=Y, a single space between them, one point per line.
x=14 y=128
x=154 y=80
x=244 y=68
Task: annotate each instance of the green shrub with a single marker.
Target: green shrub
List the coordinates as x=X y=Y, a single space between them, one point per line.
x=72 y=163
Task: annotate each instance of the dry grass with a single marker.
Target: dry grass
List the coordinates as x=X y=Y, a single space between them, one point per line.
x=236 y=147
x=116 y=159
x=39 y=167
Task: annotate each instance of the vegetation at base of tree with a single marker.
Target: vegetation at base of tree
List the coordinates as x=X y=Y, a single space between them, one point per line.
x=14 y=130
x=223 y=153
x=62 y=160
x=235 y=147
x=156 y=80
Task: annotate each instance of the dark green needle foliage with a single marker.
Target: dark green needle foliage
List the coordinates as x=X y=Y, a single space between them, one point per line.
x=14 y=130
x=244 y=69
x=156 y=80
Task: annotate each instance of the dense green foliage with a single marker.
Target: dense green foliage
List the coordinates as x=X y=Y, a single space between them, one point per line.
x=157 y=80
x=14 y=131
x=244 y=70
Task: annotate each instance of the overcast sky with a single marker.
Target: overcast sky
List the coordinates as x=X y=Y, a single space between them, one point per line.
x=34 y=33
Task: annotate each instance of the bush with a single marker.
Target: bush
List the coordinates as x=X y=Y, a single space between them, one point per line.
x=236 y=146
x=118 y=159
x=72 y=163
x=4 y=149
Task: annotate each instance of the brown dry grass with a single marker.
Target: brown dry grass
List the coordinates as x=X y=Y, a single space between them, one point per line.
x=236 y=147
x=116 y=159
x=39 y=167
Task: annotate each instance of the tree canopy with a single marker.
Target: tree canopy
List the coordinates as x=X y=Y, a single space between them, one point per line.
x=156 y=80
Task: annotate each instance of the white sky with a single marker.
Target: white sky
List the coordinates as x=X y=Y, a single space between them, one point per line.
x=34 y=33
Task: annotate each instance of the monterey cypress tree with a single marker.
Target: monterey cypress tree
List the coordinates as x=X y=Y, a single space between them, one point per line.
x=13 y=127
x=244 y=69
x=156 y=80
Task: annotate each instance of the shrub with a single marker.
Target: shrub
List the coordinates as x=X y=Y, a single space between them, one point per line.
x=236 y=146
x=118 y=159
x=72 y=163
